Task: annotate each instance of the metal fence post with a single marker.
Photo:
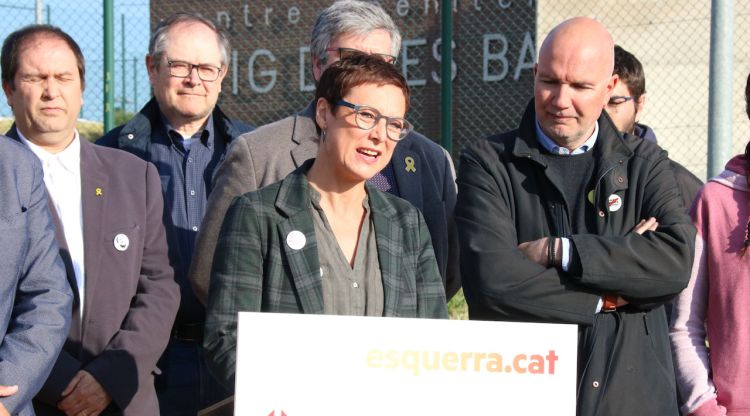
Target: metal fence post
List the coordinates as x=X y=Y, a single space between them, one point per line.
x=38 y=12
x=109 y=65
x=135 y=85
x=446 y=82
x=720 y=86
x=123 y=100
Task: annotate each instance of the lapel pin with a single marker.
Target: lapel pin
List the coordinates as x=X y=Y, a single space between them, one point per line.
x=121 y=242
x=614 y=203
x=98 y=192
x=410 y=164
x=295 y=240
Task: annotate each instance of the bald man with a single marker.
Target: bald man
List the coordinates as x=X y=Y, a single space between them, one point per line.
x=562 y=221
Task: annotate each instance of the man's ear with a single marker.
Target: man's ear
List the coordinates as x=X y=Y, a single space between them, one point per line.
x=640 y=105
x=610 y=88
x=151 y=68
x=317 y=70
x=8 y=89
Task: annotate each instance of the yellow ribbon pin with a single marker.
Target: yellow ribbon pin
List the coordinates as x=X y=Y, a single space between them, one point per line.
x=410 y=164
x=99 y=192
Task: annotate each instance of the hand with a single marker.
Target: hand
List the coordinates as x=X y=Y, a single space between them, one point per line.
x=6 y=391
x=536 y=250
x=83 y=396
x=646 y=225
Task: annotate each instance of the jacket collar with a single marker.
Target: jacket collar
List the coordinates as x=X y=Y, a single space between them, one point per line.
x=609 y=145
x=135 y=135
x=293 y=200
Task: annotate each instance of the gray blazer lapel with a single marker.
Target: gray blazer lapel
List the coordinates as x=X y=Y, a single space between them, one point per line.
x=94 y=194
x=390 y=244
x=305 y=135
x=293 y=199
x=75 y=326
x=407 y=166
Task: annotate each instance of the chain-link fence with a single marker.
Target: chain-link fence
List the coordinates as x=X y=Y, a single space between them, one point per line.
x=495 y=44
x=83 y=20
x=494 y=47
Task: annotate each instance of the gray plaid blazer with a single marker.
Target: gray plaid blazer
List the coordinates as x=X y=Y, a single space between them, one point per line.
x=254 y=268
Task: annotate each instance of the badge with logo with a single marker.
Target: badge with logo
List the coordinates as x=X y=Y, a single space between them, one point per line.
x=614 y=203
x=122 y=242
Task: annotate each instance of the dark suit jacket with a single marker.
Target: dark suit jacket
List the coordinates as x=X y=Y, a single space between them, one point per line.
x=130 y=296
x=36 y=306
x=256 y=270
x=271 y=152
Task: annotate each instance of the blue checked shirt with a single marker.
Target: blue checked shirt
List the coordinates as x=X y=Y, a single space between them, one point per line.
x=186 y=173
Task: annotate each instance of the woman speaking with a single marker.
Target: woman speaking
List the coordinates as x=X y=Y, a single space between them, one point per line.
x=322 y=240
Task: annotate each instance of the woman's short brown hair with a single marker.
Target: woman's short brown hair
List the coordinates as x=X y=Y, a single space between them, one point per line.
x=355 y=70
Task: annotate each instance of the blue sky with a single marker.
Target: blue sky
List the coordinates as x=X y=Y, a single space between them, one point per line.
x=83 y=20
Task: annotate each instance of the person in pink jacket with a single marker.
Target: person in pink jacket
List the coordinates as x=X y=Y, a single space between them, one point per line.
x=714 y=309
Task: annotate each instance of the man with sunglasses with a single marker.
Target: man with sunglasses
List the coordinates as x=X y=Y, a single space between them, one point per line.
x=420 y=171
x=184 y=133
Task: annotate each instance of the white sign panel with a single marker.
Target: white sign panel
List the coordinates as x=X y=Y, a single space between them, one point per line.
x=316 y=365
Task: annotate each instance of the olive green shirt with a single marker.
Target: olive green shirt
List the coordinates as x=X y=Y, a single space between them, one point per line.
x=348 y=290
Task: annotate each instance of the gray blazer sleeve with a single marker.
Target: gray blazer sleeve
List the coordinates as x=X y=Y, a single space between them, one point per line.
x=38 y=301
x=235 y=176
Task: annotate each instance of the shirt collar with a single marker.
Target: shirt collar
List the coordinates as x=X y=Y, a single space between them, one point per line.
x=69 y=158
x=206 y=135
x=553 y=148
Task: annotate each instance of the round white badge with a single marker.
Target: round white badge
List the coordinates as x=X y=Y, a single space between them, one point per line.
x=121 y=242
x=296 y=240
x=614 y=203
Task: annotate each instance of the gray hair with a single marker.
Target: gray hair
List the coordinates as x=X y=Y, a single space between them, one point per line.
x=158 y=42
x=353 y=17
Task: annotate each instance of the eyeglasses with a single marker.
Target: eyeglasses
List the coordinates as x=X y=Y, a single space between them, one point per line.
x=396 y=128
x=619 y=99
x=348 y=52
x=182 y=69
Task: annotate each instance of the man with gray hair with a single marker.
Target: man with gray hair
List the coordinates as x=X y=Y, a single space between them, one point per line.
x=420 y=171
x=184 y=133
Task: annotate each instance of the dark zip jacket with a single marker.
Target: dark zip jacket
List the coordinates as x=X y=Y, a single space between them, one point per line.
x=505 y=197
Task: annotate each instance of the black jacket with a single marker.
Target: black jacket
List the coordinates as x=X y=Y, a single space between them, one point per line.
x=505 y=197
x=135 y=135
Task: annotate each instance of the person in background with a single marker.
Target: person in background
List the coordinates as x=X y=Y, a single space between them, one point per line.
x=324 y=240
x=628 y=99
x=110 y=231
x=711 y=311
x=35 y=313
x=625 y=108
x=185 y=134
x=420 y=171
x=563 y=221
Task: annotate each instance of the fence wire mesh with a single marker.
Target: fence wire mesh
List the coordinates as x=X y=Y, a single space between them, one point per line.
x=83 y=20
x=494 y=47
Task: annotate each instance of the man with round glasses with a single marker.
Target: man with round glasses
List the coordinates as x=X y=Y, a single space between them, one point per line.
x=420 y=171
x=185 y=134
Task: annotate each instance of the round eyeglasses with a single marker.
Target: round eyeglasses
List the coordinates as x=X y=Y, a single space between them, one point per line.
x=396 y=128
